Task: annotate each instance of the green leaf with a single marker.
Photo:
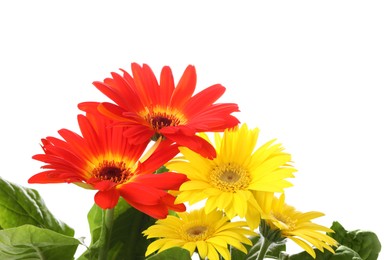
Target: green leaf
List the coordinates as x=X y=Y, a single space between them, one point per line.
x=275 y=249
x=162 y=169
x=20 y=205
x=272 y=252
x=127 y=241
x=365 y=243
x=30 y=242
x=174 y=253
x=344 y=253
x=341 y=253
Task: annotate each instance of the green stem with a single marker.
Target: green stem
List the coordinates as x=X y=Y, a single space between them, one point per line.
x=105 y=233
x=263 y=248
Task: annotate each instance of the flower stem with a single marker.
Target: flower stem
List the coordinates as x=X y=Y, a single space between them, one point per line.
x=263 y=248
x=105 y=233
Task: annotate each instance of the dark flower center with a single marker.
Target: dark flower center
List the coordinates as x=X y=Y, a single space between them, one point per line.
x=112 y=171
x=196 y=231
x=229 y=176
x=159 y=122
x=158 y=118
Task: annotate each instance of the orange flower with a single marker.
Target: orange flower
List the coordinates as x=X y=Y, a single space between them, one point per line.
x=151 y=109
x=104 y=160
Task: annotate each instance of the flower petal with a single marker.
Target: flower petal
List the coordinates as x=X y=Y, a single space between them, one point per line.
x=185 y=88
x=163 y=181
x=107 y=199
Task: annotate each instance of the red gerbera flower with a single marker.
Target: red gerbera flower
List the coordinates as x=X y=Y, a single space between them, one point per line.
x=153 y=109
x=104 y=160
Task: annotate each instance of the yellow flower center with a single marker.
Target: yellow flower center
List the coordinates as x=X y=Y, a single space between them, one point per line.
x=113 y=171
x=196 y=233
x=230 y=177
x=285 y=222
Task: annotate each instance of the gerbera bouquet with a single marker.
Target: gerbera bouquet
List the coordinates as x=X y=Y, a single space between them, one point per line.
x=177 y=176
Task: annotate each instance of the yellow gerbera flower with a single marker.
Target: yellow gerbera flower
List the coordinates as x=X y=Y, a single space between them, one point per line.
x=209 y=233
x=293 y=224
x=228 y=180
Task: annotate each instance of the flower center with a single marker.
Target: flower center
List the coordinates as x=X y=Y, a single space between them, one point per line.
x=230 y=177
x=159 y=118
x=196 y=233
x=159 y=122
x=285 y=222
x=112 y=171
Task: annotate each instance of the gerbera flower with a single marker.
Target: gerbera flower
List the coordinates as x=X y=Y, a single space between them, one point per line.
x=209 y=233
x=153 y=109
x=104 y=160
x=227 y=181
x=295 y=225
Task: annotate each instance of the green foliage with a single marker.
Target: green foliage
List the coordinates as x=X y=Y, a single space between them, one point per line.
x=273 y=251
x=28 y=229
x=365 y=243
x=127 y=241
x=20 y=206
x=31 y=242
x=353 y=245
x=162 y=169
x=341 y=253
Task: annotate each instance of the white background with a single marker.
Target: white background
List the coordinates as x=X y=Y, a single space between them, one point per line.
x=313 y=74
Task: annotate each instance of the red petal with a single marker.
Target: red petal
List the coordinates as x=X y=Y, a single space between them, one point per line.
x=169 y=200
x=78 y=143
x=105 y=185
x=167 y=85
x=140 y=194
x=61 y=153
x=54 y=176
x=145 y=91
x=164 y=181
x=215 y=119
x=146 y=83
x=159 y=211
x=111 y=93
x=89 y=134
x=185 y=88
x=195 y=143
x=107 y=199
x=203 y=99
x=126 y=89
x=112 y=111
x=164 y=152
x=183 y=129
x=138 y=134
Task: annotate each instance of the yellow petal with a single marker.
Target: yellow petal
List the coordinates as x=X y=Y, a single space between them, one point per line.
x=223 y=251
x=190 y=246
x=194 y=185
x=304 y=245
x=212 y=254
x=154 y=246
x=202 y=248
